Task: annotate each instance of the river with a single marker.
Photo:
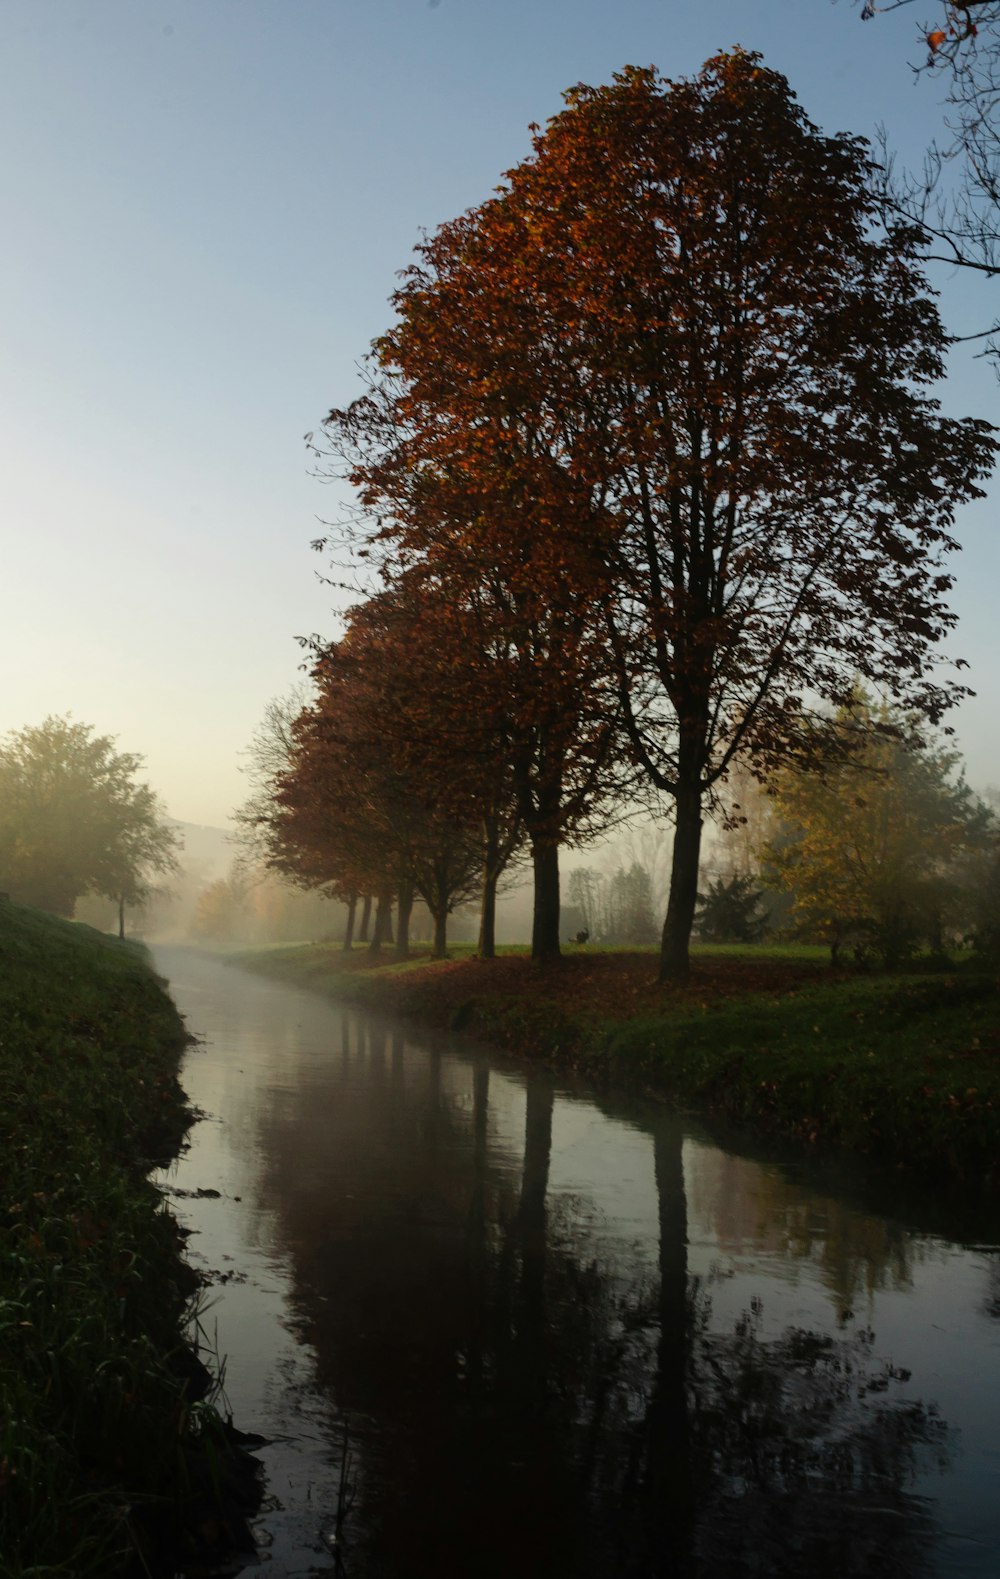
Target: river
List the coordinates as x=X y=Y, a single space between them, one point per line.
x=494 y=1323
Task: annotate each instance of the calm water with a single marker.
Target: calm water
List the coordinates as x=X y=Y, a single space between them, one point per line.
x=568 y=1334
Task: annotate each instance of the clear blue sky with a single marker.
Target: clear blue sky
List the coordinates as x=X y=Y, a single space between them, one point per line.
x=205 y=205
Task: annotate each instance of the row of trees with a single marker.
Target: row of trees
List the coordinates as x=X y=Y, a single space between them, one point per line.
x=74 y=820
x=256 y=907
x=650 y=471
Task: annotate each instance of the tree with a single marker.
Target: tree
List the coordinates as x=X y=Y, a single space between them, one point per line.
x=960 y=219
x=266 y=757
x=871 y=847
x=220 y=915
x=460 y=485
x=441 y=700
x=142 y=847
x=982 y=884
x=269 y=758
x=73 y=820
x=629 y=907
x=358 y=806
x=782 y=485
x=673 y=371
x=586 y=891
x=729 y=911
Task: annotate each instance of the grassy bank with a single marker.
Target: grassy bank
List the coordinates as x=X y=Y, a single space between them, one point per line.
x=98 y=1387
x=905 y=1068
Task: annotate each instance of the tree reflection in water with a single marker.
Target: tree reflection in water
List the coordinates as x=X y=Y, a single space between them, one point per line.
x=804 y=1458
x=524 y=1400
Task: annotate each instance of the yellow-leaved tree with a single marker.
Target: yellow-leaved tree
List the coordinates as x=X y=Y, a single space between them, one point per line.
x=873 y=847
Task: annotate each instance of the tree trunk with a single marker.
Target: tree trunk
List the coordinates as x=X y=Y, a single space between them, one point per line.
x=352 y=910
x=366 y=916
x=488 y=917
x=405 y=904
x=545 y=918
x=381 y=930
x=121 y=915
x=675 y=965
x=491 y=872
x=440 y=914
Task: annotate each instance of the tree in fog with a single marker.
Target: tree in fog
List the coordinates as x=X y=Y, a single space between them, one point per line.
x=628 y=906
x=586 y=891
x=144 y=847
x=873 y=846
x=979 y=879
x=73 y=820
x=266 y=757
x=220 y=914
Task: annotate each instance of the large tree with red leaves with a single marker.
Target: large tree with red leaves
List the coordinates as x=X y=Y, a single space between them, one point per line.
x=673 y=390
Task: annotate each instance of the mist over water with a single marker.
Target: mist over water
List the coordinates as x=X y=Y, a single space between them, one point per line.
x=566 y=1333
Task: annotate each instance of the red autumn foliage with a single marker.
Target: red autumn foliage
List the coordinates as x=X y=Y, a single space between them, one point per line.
x=662 y=411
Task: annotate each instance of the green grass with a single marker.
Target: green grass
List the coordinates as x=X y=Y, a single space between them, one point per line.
x=95 y=1385
x=904 y=1068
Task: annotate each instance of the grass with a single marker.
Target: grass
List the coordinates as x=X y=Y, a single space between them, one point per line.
x=903 y=1067
x=99 y=1387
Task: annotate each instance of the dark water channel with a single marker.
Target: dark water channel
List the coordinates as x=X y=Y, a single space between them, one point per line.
x=565 y=1333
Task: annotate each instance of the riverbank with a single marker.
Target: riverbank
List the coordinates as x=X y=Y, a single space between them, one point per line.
x=110 y=1447
x=903 y=1068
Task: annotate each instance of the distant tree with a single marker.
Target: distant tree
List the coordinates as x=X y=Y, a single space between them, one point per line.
x=629 y=914
x=221 y=914
x=730 y=911
x=871 y=846
x=980 y=878
x=255 y=905
x=265 y=758
x=585 y=891
x=144 y=847
x=73 y=820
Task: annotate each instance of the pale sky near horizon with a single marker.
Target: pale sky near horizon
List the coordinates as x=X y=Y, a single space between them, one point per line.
x=206 y=204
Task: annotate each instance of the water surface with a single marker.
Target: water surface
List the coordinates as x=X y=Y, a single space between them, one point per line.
x=496 y=1324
